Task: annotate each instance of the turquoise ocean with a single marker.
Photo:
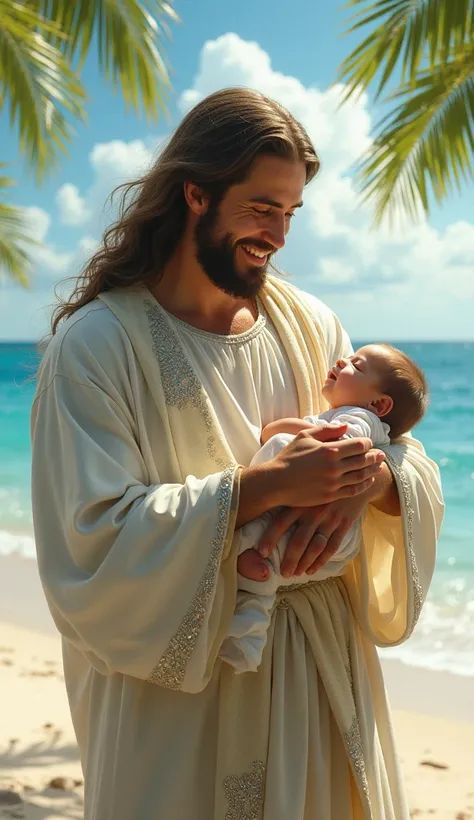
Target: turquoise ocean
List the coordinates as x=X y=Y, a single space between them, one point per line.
x=444 y=637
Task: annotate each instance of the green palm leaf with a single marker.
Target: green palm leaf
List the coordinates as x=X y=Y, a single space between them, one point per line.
x=427 y=142
x=129 y=34
x=38 y=84
x=403 y=32
x=15 y=239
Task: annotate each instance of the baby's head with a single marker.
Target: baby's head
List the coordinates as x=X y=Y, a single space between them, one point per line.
x=385 y=381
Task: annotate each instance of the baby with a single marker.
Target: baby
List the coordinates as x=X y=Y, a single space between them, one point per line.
x=376 y=382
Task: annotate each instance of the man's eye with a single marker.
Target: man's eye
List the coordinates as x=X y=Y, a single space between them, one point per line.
x=261 y=212
x=290 y=216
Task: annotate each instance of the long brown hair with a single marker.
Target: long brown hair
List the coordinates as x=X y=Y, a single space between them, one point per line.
x=214 y=146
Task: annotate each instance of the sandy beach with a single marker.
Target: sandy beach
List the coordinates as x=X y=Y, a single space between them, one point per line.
x=40 y=774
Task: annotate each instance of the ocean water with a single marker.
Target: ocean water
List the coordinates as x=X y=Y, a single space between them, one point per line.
x=444 y=637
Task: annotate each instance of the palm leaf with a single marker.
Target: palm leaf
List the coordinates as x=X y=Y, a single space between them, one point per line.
x=427 y=142
x=405 y=33
x=15 y=239
x=129 y=34
x=38 y=83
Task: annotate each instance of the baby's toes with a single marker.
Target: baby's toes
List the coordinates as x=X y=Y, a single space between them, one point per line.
x=251 y=565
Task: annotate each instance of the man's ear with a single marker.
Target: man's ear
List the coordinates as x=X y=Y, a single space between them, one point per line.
x=196 y=199
x=381 y=406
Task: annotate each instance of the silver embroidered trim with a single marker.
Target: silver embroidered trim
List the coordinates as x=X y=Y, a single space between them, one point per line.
x=353 y=741
x=181 y=386
x=245 y=793
x=331 y=581
x=171 y=668
x=416 y=586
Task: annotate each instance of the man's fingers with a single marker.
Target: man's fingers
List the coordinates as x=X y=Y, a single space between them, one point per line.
x=331 y=433
x=277 y=528
x=351 y=447
x=351 y=490
x=299 y=544
x=355 y=463
x=357 y=476
x=315 y=549
x=332 y=546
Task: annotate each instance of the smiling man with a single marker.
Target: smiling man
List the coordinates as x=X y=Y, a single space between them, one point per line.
x=173 y=352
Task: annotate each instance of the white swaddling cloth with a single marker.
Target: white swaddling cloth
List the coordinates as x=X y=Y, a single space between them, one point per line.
x=247 y=636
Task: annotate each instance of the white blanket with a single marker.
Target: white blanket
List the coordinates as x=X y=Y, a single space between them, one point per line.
x=246 y=640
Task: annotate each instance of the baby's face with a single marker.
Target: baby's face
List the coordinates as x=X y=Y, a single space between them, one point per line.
x=356 y=379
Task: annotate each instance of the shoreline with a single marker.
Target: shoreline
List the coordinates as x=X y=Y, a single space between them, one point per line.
x=433 y=718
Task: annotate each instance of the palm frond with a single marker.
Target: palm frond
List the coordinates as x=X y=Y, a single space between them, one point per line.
x=130 y=36
x=38 y=83
x=426 y=143
x=15 y=239
x=403 y=33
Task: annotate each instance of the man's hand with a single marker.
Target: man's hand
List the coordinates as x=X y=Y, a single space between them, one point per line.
x=315 y=468
x=306 y=551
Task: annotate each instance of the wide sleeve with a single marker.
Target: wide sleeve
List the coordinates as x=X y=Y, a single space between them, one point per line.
x=389 y=580
x=139 y=576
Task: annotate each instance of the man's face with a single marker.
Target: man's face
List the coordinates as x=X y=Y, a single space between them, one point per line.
x=236 y=240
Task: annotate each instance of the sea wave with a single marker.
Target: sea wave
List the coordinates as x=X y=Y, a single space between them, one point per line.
x=444 y=636
x=443 y=639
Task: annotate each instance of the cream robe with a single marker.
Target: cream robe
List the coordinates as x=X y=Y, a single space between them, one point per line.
x=135 y=492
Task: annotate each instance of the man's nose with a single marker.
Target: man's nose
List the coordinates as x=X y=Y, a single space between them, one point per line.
x=276 y=232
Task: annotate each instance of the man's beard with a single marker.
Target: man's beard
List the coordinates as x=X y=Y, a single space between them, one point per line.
x=217 y=259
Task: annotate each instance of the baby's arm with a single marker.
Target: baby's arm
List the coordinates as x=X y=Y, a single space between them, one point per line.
x=292 y=426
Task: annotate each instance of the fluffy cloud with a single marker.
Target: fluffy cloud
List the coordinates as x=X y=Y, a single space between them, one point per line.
x=51 y=261
x=340 y=134
x=113 y=163
x=382 y=282
x=72 y=207
x=342 y=251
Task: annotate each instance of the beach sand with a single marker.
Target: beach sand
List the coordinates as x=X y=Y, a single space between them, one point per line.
x=40 y=773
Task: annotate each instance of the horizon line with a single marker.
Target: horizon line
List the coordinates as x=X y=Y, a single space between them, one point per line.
x=355 y=339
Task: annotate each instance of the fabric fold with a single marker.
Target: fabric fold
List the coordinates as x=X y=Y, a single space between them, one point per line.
x=135 y=495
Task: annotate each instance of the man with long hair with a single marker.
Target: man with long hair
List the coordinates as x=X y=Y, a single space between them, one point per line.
x=176 y=346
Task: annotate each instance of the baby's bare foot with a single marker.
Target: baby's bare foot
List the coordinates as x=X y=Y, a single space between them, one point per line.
x=252 y=566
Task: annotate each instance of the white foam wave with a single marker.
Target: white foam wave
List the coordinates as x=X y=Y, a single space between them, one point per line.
x=443 y=639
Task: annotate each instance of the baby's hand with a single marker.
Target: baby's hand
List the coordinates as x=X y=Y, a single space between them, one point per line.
x=252 y=566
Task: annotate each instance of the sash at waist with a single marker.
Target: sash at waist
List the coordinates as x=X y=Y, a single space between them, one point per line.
x=281 y=593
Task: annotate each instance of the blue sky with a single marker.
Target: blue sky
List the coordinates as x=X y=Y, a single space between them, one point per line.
x=416 y=282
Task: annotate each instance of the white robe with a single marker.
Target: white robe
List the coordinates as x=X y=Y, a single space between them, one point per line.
x=136 y=557
x=244 y=645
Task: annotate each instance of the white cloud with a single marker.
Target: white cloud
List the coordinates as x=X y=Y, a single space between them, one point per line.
x=112 y=163
x=119 y=160
x=335 y=270
x=72 y=207
x=52 y=261
x=340 y=134
x=414 y=280
x=335 y=247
